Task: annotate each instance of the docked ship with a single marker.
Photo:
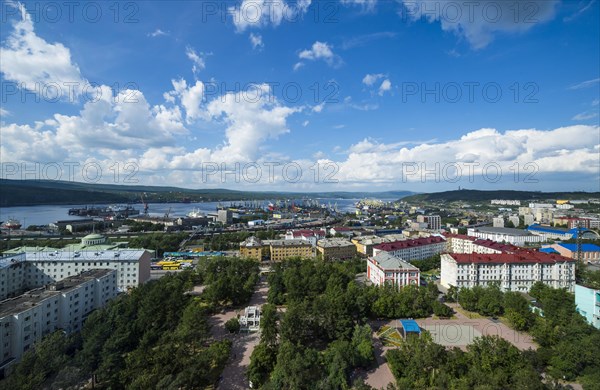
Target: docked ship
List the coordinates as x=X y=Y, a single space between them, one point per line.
x=12 y=224
x=196 y=213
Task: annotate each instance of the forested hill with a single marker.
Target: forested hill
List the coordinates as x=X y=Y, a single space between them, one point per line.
x=482 y=196
x=39 y=192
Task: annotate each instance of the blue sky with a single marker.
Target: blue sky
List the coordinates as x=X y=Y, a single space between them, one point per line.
x=258 y=94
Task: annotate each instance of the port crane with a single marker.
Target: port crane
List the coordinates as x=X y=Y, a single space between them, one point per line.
x=145 y=204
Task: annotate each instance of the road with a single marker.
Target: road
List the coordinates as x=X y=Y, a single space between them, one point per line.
x=234 y=374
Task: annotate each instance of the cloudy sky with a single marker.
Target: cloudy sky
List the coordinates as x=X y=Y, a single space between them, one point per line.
x=330 y=95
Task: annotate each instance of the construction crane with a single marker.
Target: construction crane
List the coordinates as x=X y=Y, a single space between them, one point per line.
x=144 y=203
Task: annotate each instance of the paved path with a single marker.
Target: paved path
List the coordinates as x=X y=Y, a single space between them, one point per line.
x=234 y=374
x=380 y=376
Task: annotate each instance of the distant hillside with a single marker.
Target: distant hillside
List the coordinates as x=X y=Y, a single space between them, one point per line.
x=482 y=196
x=30 y=192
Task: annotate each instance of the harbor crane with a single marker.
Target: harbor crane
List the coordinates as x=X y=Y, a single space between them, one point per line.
x=144 y=203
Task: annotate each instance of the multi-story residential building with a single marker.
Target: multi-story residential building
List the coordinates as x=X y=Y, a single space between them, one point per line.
x=225 y=216
x=343 y=230
x=498 y=222
x=514 y=219
x=501 y=234
x=512 y=271
x=506 y=202
x=432 y=222
x=13 y=275
x=417 y=249
x=528 y=219
x=336 y=249
x=552 y=233
x=587 y=300
x=132 y=265
x=311 y=236
x=45 y=265
x=589 y=252
x=283 y=249
x=252 y=248
x=458 y=243
x=387 y=269
x=63 y=305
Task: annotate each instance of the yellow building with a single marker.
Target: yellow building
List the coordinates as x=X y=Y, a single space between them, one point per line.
x=283 y=249
x=336 y=249
x=251 y=248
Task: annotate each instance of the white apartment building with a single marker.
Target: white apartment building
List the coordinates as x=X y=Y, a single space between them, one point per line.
x=433 y=222
x=506 y=202
x=12 y=275
x=458 y=243
x=417 y=249
x=513 y=271
x=27 y=318
x=498 y=221
x=132 y=265
x=387 y=269
x=500 y=234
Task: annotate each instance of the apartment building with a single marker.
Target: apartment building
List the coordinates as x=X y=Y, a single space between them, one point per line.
x=498 y=222
x=506 y=202
x=132 y=265
x=13 y=272
x=252 y=248
x=44 y=265
x=311 y=236
x=512 y=271
x=387 y=269
x=587 y=300
x=283 y=249
x=416 y=249
x=433 y=222
x=27 y=318
x=459 y=243
x=336 y=249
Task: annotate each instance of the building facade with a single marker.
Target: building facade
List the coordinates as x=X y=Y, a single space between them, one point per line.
x=587 y=300
x=64 y=305
x=13 y=275
x=252 y=248
x=512 y=271
x=502 y=234
x=589 y=252
x=336 y=249
x=387 y=269
x=416 y=249
x=284 y=249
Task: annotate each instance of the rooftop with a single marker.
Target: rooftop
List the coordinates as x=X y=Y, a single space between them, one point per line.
x=396 y=245
x=410 y=326
x=32 y=298
x=7 y=261
x=389 y=262
x=502 y=230
x=293 y=242
x=334 y=242
x=51 y=254
x=521 y=257
x=584 y=247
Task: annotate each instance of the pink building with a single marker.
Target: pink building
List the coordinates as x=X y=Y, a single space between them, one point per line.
x=385 y=268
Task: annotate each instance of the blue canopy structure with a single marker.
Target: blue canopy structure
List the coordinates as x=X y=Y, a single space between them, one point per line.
x=410 y=326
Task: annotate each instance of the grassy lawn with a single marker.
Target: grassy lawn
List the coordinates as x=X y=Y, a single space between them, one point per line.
x=468 y=314
x=390 y=337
